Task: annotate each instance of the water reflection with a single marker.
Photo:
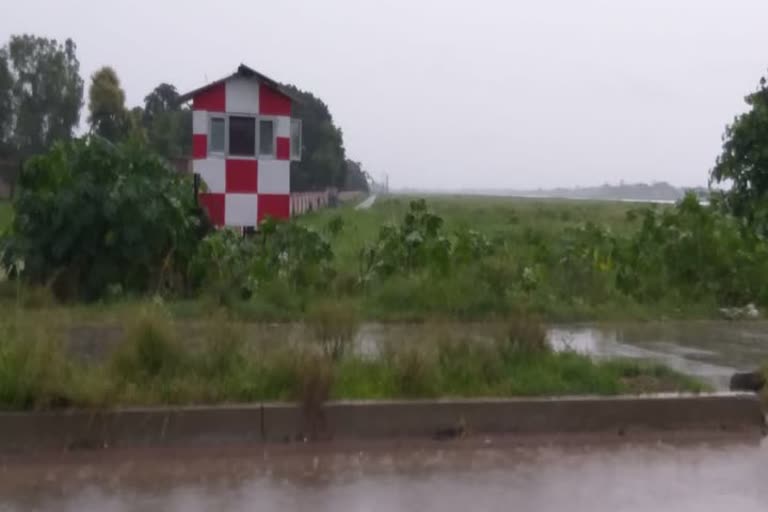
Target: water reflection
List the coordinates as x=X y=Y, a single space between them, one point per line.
x=547 y=478
x=711 y=350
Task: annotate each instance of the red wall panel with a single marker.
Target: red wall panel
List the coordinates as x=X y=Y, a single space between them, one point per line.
x=277 y=206
x=242 y=176
x=273 y=103
x=214 y=205
x=199 y=146
x=213 y=99
x=283 y=148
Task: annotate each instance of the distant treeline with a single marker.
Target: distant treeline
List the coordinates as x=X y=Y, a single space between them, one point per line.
x=42 y=95
x=659 y=191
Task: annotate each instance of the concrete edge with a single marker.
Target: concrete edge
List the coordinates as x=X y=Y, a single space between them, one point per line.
x=739 y=413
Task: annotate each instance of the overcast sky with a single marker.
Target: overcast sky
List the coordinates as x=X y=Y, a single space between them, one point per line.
x=448 y=94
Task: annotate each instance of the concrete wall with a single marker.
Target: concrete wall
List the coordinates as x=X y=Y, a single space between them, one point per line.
x=276 y=422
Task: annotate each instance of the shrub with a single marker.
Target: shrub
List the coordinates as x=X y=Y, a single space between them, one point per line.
x=419 y=242
x=90 y=215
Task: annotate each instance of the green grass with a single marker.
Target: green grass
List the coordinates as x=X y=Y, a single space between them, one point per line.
x=506 y=217
x=492 y=286
x=488 y=288
x=158 y=363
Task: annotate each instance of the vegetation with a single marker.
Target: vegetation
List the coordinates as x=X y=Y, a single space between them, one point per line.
x=566 y=260
x=106 y=101
x=94 y=219
x=6 y=213
x=41 y=93
x=743 y=164
x=155 y=364
x=463 y=258
x=323 y=163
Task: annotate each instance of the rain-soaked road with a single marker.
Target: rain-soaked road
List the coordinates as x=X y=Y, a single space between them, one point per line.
x=440 y=477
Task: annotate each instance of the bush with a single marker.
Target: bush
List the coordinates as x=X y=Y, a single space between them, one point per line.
x=419 y=242
x=90 y=216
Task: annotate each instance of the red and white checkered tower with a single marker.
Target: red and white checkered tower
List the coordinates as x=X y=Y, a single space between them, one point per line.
x=243 y=142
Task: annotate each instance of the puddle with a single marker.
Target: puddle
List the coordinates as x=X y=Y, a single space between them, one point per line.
x=711 y=350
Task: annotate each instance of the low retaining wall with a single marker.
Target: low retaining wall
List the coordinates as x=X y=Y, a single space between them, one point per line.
x=277 y=422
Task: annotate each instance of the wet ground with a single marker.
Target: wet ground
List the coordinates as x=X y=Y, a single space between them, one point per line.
x=710 y=350
x=587 y=474
x=437 y=476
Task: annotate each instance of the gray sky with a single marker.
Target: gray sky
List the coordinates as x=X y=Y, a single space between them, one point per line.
x=446 y=93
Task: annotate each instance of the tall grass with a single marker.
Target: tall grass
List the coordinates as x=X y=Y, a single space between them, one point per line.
x=155 y=364
x=333 y=325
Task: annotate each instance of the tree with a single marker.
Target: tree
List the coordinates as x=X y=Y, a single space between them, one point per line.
x=163 y=98
x=356 y=178
x=93 y=218
x=169 y=127
x=135 y=131
x=323 y=159
x=46 y=93
x=6 y=106
x=106 y=101
x=744 y=161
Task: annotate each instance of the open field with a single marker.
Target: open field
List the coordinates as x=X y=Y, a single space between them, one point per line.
x=563 y=260
x=497 y=217
x=554 y=257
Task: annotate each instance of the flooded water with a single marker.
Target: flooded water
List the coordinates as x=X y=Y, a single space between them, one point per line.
x=709 y=350
x=437 y=477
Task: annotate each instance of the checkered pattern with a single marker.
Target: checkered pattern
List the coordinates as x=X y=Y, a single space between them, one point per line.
x=241 y=192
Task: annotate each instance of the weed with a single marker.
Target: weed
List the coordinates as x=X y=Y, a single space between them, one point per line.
x=333 y=324
x=415 y=371
x=34 y=372
x=150 y=350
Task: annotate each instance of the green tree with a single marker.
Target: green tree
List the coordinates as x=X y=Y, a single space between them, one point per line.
x=163 y=98
x=106 y=101
x=6 y=106
x=743 y=163
x=169 y=127
x=356 y=178
x=323 y=162
x=135 y=129
x=46 y=93
x=94 y=217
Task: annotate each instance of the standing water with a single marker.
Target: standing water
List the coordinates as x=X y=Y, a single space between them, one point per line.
x=439 y=477
x=709 y=350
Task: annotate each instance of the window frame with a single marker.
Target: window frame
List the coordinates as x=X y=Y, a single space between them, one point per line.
x=266 y=156
x=226 y=153
x=255 y=118
x=225 y=118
